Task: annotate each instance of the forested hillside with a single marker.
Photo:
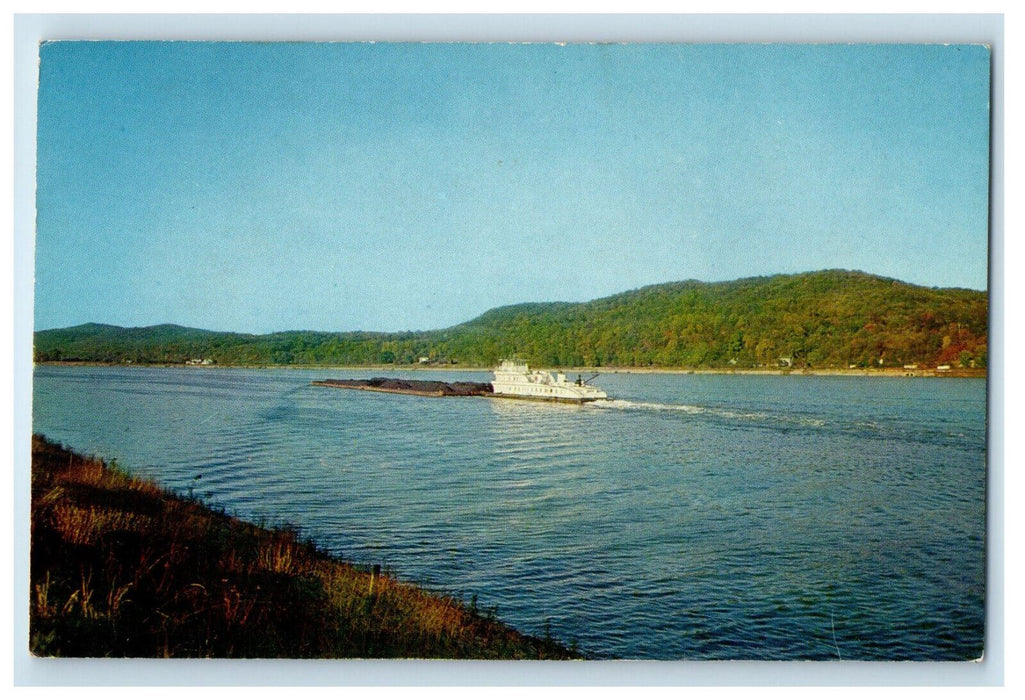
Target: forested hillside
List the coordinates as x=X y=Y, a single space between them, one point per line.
x=823 y=319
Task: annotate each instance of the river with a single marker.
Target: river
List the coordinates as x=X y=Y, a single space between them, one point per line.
x=689 y=517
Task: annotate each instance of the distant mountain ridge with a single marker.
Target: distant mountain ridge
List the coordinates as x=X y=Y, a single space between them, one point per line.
x=831 y=318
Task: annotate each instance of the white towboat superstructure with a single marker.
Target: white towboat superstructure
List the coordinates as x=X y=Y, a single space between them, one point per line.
x=513 y=379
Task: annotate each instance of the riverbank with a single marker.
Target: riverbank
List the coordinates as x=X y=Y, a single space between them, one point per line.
x=755 y=371
x=123 y=568
x=808 y=372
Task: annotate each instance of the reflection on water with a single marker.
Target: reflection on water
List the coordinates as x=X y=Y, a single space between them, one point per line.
x=689 y=517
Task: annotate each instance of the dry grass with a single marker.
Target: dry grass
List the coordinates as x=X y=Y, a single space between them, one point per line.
x=123 y=568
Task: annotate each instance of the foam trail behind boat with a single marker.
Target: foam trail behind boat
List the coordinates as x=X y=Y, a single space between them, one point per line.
x=778 y=418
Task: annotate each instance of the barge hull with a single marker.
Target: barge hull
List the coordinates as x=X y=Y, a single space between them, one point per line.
x=542 y=399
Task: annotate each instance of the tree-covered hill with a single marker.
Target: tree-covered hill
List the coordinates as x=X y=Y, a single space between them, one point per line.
x=833 y=318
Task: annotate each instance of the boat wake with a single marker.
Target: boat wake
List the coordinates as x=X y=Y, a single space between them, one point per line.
x=623 y=405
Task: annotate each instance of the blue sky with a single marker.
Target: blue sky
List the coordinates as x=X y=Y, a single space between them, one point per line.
x=262 y=187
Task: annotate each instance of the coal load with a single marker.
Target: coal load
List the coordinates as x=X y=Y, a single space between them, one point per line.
x=416 y=387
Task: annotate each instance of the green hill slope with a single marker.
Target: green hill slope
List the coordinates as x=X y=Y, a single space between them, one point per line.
x=833 y=318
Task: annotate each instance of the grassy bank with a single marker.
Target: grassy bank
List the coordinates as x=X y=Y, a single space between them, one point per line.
x=120 y=567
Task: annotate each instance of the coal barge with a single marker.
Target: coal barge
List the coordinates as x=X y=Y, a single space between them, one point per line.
x=513 y=380
x=416 y=387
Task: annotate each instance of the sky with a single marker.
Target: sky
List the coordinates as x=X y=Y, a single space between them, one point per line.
x=261 y=187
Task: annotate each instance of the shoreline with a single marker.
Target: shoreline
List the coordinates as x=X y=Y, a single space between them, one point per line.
x=959 y=373
x=123 y=567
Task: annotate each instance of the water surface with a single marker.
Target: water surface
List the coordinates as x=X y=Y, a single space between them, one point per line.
x=691 y=517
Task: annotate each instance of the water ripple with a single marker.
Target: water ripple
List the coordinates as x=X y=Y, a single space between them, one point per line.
x=692 y=517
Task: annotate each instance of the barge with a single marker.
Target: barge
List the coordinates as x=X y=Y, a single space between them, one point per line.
x=513 y=380
x=416 y=387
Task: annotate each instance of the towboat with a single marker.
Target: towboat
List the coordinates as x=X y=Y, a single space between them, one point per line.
x=515 y=380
